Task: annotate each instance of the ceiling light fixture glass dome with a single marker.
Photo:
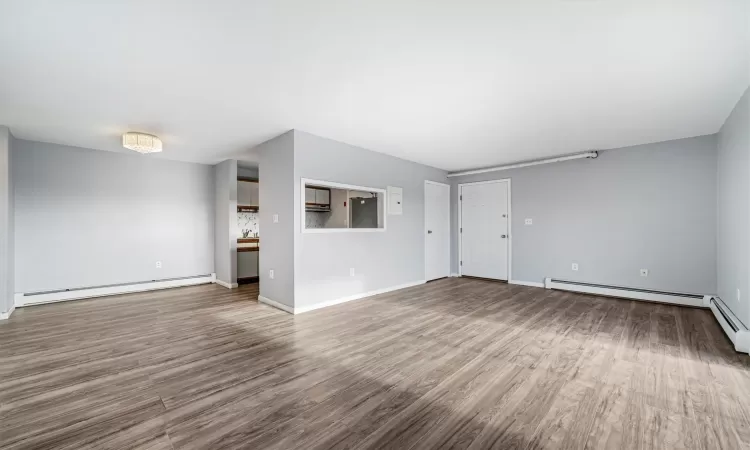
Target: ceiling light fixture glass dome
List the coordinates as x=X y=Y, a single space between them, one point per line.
x=141 y=142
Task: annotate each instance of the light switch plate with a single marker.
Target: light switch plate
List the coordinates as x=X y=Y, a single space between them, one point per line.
x=271 y=274
x=275 y=218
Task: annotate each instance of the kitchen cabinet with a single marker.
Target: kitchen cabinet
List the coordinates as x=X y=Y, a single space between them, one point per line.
x=247 y=264
x=323 y=197
x=248 y=193
x=310 y=195
x=317 y=196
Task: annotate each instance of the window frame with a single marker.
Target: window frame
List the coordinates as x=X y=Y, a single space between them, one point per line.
x=382 y=194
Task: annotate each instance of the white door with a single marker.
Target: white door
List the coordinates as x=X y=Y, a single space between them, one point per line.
x=484 y=230
x=437 y=213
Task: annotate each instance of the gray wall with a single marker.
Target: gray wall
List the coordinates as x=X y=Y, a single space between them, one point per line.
x=225 y=221
x=650 y=206
x=734 y=210
x=6 y=221
x=380 y=259
x=90 y=218
x=276 y=171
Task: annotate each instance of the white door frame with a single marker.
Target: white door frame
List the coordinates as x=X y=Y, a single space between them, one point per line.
x=426 y=182
x=510 y=220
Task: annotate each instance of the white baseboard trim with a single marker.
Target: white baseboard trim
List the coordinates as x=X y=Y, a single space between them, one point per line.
x=22 y=299
x=737 y=332
x=338 y=301
x=455 y=275
x=6 y=315
x=526 y=283
x=350 y=298
x=275 y=304
x=226 y=285
x=743 y=342
x=693 y=300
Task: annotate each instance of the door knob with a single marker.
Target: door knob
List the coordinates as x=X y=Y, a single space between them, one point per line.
x=429 y=231
x=502 y=236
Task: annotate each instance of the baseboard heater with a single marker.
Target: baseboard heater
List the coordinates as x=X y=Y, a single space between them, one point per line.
x=675 y=298
x=36 y=298
x=735 y=330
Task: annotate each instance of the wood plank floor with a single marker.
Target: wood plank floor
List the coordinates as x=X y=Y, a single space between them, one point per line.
x=456 y=363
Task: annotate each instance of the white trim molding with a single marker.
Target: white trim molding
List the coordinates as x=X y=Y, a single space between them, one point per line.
x=275 y=304
x=6 y=315
x=337 y=301
x=526 y=283
x=227 y=285
x=732 y=326
x=342 y=230
x=455 y=275
x=675 y=298
x=356 y=297
x=27 y=299
x=352 y=187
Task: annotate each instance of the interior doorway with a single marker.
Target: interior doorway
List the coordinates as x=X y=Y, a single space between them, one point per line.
x=437 y=240
x=484 y=229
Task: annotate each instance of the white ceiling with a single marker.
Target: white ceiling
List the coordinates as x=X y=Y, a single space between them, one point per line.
x=453 y=84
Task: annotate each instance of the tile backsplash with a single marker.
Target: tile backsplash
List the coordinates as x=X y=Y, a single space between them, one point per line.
x=247 y=221
x=316 y=219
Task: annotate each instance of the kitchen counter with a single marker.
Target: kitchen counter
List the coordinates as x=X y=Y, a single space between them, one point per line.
x=248 y=244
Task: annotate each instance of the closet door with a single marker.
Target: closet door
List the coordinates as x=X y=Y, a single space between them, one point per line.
x=437 y=242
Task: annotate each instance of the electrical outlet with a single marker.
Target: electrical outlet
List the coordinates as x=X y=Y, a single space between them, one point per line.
x=351 y=271
x=644 y=272
x=275 y=218
x=574 y=266
x=270 y=274
x=528 y=221
x=158 y=264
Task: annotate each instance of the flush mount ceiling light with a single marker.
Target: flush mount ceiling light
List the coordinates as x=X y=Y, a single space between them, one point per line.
x=141 y=142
